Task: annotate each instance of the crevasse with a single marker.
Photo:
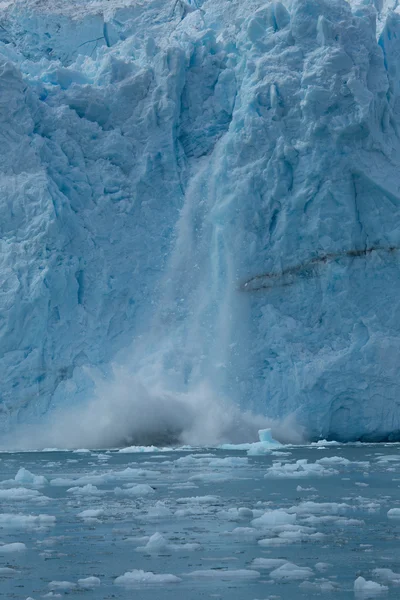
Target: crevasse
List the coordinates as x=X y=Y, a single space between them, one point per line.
x=206 y=192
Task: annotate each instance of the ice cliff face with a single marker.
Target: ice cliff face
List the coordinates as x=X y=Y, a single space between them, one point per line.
x=206 y=191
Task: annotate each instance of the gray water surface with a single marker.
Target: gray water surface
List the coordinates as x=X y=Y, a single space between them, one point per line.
x=332 y=523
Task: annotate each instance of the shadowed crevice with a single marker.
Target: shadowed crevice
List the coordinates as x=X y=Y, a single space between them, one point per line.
x=308 y=269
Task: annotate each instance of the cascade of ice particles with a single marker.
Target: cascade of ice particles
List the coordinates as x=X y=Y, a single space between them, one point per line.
x=210 y=188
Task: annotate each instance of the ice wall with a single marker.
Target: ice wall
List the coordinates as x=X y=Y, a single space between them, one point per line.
x=207 y=192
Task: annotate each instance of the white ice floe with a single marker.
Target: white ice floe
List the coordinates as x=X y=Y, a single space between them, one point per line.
x=142 y=489
x=19 y=521
x=89 y=582
x=199 y=500
x=158 y=544
x=319 y=508
x=368 y=589
x=272 y=518
x=62 y=585
x=236 y=514
x=139 y=577
x=91 y=513
x=394 y=513
x=291 y=572
x=25 y=477
x=268 y=563
x=22 y=494
x=301 y=468
x=7 y=571
x=225 y=574
x=387 y=576
x=141 y=449
x=158 y=511
x=86 y=490
x=13 y=547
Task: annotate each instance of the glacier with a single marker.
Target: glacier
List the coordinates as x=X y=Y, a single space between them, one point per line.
x=200 y=207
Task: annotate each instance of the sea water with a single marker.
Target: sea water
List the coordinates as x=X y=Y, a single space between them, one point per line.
x=283 y=523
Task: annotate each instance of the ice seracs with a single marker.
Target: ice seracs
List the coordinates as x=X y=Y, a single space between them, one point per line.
x=205 y=195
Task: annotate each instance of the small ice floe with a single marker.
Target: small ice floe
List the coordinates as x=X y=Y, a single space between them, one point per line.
x=394 y=513
x=387 y=576
x=268 y=563
x=91 y=513
x=62 y=585
x=368 y=589
x=22 y=494
x=225 y=574
x=291 y=572
x=158 y=511
x=89 y=583
x=319 y=508
x=86 y=490
x=158 y=544
x=19 y=521
x=11 y=548
x=321 y=585
x=25 y=477
x=272 y=518
x=265 y=444
x=141 y=449
x=199 y=500
x=139 y=577
x=301 y=468
x=7 y=571
x=236 y=514
x=142 y=489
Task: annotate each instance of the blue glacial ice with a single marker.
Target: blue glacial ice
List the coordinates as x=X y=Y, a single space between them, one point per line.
x=200 y=207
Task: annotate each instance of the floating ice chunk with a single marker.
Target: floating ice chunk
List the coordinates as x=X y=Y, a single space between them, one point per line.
x=82 y=451
x=319 y=586
x=158 y=511
x=89 y=582
x=394 y=513
x=86 y=490
x=226 y=574
x=22 y=494
x=334 y=460
x=304 y=489
x=10 y=548
x=272 y=518
x=7 y=571
x=25 y=477
x=139 y=577
x=142 y=489
x=210 y=477
x=301 y=468
x=91 y=513
x=268 y=563
x=368 y=589
x=322 y=566
x=228 y=461
x=387 y=575
x=157 y=544
x=291 y=572
x=199 y=500
x=265 y=436
x=319 y=508
x=13 y=521
x=62 y=585
x=236 y=514
x=140 y=449
x=244 y=531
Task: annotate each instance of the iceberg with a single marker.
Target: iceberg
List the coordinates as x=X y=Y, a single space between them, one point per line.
x=206 y=194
